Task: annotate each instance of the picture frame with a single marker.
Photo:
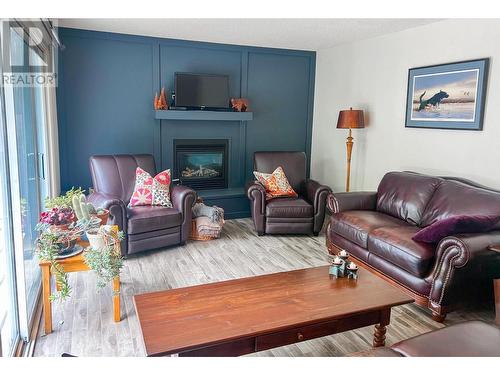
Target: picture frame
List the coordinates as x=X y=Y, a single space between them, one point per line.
x=447 y=96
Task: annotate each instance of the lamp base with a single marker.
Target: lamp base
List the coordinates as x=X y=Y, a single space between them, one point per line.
x=349 y=143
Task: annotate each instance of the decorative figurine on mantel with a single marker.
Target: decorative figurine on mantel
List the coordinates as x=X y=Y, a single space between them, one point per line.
x=239 y=104
x=341 y=267
x=160 y=103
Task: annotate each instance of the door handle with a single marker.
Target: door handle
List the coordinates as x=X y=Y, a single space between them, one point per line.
x=41 y=166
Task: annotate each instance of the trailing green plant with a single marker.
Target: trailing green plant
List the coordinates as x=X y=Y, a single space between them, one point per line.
x=47 y=248
x=106 y=261
x=65 y=200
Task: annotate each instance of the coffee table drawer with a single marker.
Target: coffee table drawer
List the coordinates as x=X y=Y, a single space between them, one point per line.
x=295 y=335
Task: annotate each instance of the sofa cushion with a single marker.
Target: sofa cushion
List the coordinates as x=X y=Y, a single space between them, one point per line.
x=454 y=198
x=289 y=207
x=395 y=245
x=357 y=224
x=150 y=218
x=405 y=195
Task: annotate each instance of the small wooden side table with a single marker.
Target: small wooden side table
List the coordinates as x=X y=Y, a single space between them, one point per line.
x=496 y=286
x=72 y=264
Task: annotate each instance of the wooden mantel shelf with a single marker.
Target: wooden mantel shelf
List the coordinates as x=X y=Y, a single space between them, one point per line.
x=203 y=115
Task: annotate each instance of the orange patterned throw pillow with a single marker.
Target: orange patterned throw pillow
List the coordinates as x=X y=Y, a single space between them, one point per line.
x=276 y=184
x=151 y=191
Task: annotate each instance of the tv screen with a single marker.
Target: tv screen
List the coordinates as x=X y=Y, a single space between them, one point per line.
x=201 y=91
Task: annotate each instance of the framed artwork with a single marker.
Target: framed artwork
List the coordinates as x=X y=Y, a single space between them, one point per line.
x=447 y=96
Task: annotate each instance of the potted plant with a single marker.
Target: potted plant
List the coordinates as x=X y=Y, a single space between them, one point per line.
x=105 y=260
x=68 y=201
x=90 y=219
x=57 y=219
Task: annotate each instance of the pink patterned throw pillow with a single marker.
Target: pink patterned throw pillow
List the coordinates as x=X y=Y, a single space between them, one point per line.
x=151 y=191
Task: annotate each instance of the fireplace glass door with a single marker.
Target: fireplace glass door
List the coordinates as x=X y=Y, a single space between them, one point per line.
x=201 y=164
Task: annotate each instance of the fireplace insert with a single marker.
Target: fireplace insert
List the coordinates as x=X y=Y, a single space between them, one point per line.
x=201 y=163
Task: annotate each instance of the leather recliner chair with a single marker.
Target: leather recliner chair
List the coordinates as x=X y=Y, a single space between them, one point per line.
x=474 y=338
x=145 y=227
x=302 y=215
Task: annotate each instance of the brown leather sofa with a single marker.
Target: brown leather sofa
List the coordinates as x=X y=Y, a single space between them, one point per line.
x=302 y=215
x=145 y=227
x=468 y=339
x=377 y=229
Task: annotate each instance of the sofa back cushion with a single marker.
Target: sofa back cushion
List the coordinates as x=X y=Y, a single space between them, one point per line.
x=405 y=195
x=454 y=198
x=115 y=174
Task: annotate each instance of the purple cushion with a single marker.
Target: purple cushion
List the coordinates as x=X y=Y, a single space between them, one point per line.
x=455 y=225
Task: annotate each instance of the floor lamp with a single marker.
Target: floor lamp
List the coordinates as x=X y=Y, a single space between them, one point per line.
x=350 y=119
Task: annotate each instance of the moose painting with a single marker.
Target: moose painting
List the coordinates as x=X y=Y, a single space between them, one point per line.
x=447 y=96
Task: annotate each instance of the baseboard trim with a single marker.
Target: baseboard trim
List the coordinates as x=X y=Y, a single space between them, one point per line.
x=237 y=215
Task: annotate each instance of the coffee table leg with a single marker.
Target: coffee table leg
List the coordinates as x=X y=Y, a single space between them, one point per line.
x=381 y=328
x=47 y=308
x=379 y=335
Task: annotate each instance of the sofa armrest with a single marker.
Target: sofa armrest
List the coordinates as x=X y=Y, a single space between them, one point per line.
x=461 y=260
x=360 y=200
x=256 y=192
x=183 y=199
x=117 y=208
x=316 y=194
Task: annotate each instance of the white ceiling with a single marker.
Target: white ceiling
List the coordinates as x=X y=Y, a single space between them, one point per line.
x=303 y=34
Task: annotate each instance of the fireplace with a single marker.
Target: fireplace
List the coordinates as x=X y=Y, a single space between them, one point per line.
x=201 y=163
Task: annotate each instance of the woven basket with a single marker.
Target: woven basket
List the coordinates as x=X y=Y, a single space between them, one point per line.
x=195 y=236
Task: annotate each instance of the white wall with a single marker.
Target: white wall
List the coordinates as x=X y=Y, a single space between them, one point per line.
x=372 y=75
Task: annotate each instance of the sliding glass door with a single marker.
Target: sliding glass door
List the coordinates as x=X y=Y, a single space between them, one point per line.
x=8 y=301
x=25 y=186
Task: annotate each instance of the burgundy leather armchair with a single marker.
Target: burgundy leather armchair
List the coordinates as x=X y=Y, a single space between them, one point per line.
x=474 y=338
x=302 y=215
x=145 y=227
x=377 y=229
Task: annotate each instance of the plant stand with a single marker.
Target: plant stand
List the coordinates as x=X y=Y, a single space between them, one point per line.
x=75 y=263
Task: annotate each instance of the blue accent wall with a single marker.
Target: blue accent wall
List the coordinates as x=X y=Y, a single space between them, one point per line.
x=105 y=103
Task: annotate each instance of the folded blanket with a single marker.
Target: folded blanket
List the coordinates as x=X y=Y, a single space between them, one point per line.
x=216 y=214
x=208 y=233
x=205 y=227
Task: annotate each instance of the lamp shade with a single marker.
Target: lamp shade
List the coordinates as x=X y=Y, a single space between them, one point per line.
x=351 y=119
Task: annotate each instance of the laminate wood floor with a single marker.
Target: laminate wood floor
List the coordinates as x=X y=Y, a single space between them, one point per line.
x=83 y=325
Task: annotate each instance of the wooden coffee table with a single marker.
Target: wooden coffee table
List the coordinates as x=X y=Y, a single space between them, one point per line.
x=247 y=315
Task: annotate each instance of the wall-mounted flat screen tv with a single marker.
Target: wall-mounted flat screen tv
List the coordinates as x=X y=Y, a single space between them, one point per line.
x=201 y=91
